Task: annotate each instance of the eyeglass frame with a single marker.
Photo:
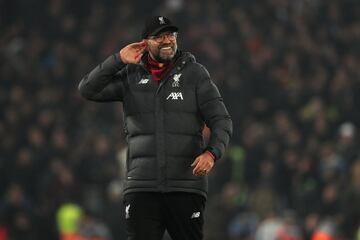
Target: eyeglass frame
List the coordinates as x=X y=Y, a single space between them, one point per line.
x=172 y=36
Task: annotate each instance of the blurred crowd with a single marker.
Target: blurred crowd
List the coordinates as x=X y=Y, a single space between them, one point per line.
x=289 y=72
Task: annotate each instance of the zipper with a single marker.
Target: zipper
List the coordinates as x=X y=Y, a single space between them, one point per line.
x=170 y=73
x=160 y=133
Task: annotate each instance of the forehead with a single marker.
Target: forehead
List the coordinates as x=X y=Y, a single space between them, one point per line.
x=164 y=33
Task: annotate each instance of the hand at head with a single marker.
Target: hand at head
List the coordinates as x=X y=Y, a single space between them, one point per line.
x=133 y=52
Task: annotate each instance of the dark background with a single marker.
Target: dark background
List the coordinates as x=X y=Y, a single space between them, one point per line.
x=288 y=71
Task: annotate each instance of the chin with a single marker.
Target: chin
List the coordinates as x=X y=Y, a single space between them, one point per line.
x=166 y=57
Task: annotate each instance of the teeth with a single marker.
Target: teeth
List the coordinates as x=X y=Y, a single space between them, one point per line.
x=166 y=48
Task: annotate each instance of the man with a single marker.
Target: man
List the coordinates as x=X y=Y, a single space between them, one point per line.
x=167 y=99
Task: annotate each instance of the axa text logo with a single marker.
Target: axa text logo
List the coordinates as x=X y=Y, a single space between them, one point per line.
x=175 y=96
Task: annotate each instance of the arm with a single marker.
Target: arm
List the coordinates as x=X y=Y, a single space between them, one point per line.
x=104 y=83
x=217 y=118
x=215 y=115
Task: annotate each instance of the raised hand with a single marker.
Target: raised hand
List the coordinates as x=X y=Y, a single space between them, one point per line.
x=133 y=52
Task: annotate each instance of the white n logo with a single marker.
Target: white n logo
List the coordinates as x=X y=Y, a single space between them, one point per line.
x=175 y=96
x=143 y=81
x=195 y=215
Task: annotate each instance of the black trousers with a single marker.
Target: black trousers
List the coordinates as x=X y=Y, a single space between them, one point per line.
x=148 y=215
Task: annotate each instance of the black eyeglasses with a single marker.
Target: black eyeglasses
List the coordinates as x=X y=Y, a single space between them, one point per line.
x=160 y=38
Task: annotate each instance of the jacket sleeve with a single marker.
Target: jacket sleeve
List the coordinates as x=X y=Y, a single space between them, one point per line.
x=105 y=82
x=215 y=115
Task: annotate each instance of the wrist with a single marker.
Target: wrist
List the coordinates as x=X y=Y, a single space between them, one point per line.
x=214 y=152
x=211 y=155
x=118 y=58
x=121 y=57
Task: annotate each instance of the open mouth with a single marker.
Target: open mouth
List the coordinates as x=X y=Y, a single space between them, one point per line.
x=166 y=48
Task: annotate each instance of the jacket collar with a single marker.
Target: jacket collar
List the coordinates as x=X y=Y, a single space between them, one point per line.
x=177 y=63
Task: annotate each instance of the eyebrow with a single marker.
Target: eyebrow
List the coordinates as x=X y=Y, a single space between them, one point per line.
x=164 y=33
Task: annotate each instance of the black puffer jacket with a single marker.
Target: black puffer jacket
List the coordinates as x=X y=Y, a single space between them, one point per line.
x=163 y=122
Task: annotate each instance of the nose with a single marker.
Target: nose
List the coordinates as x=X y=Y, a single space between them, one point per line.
x=166 y=39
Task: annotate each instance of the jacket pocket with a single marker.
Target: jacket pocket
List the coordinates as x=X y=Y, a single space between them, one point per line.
x=179 y=168
x=142 y=168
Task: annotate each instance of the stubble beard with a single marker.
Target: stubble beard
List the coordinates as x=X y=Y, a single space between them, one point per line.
x=165 y=57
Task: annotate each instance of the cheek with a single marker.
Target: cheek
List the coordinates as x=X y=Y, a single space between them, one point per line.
x=153 y=48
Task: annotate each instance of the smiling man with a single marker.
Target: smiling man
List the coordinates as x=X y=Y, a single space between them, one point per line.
x=167 y=99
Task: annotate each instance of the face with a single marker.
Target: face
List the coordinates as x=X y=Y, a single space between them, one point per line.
x=162 y=47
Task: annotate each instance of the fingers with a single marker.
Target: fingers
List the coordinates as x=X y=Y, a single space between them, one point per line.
x=139 y=46
x=195 y=162
x=143 y=43
x=200 y=173
x=202 y=165
x=140 y=50
x=201 y=169
x=138 y=57
x=133 y=52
